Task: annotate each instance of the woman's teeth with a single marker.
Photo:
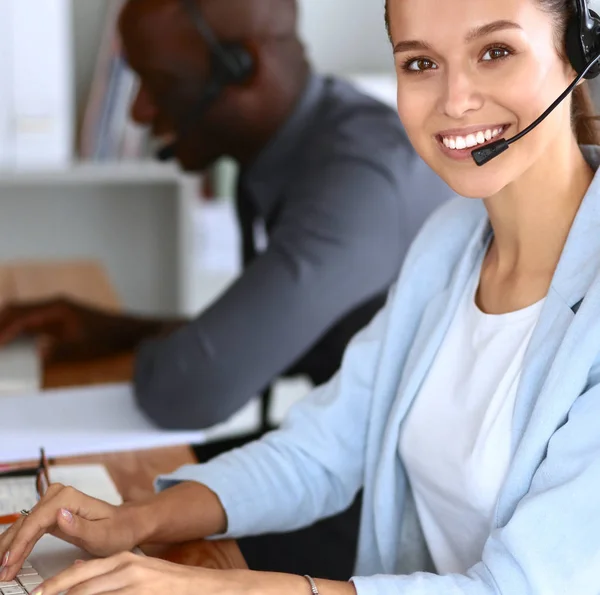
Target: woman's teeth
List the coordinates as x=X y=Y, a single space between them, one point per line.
x=471 y=140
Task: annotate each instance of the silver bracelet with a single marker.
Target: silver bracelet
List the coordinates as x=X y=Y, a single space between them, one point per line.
x=313 y=587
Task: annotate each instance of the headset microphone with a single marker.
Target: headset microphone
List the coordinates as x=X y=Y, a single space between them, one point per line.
x=166 y=153
x=487 y=153
x=583 y=50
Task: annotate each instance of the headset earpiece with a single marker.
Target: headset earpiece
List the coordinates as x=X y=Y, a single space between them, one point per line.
x=583 y=39
x=240 y=66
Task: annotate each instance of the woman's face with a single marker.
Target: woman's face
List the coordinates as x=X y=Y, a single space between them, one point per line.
x=472 y=70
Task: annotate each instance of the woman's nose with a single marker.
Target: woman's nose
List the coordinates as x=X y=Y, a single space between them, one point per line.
x=460 y=95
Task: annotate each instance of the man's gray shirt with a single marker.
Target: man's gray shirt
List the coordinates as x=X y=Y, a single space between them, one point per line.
x=342 y=194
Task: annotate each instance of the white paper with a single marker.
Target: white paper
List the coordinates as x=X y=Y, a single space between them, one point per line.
x=78 y=422
x=93 y=480
x=18 y=493
x=92 y=420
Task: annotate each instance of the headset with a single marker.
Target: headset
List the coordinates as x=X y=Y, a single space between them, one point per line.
x=230 y=64
x=583 y=51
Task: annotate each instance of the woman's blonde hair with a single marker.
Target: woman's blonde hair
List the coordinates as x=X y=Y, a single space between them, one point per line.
x=583 y=114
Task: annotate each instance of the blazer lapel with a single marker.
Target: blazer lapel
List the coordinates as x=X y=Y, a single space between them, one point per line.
x=557 y=363
x=432 y=329
x=577 y=269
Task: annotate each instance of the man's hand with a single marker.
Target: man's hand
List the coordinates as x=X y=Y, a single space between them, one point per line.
x=70 y=331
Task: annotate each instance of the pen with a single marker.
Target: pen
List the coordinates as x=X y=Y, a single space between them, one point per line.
x=9 y=519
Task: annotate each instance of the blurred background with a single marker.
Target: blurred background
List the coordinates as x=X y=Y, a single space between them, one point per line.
x=85 y=210
x=78 y=185
x=77 y=181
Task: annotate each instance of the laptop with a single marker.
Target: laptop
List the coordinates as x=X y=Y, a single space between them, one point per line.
x=52 y=555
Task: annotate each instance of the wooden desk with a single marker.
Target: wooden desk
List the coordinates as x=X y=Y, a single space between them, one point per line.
x=134 y=472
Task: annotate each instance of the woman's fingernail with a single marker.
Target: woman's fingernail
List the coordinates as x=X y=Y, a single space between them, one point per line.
x=66 y=515
x=78 y=561
x=37 y=591
x=5 y=559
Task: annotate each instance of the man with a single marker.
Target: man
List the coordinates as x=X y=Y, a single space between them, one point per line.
x=330 y=175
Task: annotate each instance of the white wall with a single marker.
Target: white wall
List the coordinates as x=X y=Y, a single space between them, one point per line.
x=346 y=36
x=88 y=22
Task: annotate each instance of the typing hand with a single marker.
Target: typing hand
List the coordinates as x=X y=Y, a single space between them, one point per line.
x=70 y=331
x=127 y=573
x=96 y=526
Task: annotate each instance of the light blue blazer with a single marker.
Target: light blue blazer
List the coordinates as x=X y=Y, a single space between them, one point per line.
x=345 y=434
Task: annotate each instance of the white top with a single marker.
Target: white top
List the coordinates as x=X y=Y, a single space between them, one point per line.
x=455 y=443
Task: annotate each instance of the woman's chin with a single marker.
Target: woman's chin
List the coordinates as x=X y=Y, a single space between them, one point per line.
x=474 y=183
x=466 y=178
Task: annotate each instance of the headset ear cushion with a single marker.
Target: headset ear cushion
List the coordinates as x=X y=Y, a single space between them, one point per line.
x=243 y=60
x=575 y=51
x=573 y=46
x=595 y=70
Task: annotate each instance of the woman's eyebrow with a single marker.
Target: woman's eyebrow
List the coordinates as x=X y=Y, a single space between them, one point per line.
x=472 y=35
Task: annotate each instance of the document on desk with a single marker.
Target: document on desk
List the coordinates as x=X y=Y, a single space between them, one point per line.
x=80 y=421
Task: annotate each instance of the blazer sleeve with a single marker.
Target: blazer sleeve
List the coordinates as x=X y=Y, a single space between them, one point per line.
x=338 y=242
x=311 y=467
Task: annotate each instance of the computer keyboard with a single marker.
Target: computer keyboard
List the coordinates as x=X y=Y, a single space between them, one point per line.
x=26 y=581
x=15 y=495
x=50 y=554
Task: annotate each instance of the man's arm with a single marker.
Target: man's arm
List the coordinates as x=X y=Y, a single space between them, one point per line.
x=74 y=331
x=339 y=241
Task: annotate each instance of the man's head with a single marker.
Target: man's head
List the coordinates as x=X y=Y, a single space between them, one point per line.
x=173 y=61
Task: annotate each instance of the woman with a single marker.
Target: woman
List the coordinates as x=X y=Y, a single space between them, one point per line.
x=468 y=408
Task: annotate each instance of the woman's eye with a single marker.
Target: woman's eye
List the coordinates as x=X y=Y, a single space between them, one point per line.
x=495 y=54
x=420 y=65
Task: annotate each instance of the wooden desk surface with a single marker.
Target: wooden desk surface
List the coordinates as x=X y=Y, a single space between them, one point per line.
x=134 y=472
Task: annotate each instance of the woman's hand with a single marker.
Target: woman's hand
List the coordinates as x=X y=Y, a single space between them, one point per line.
x=96 y=526
x=182 y=513
x=130 y=574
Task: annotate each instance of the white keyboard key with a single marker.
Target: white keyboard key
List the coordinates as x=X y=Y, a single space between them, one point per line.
x=26 y=564
x=5 y=584
x=35 y=580
x=13 y=591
